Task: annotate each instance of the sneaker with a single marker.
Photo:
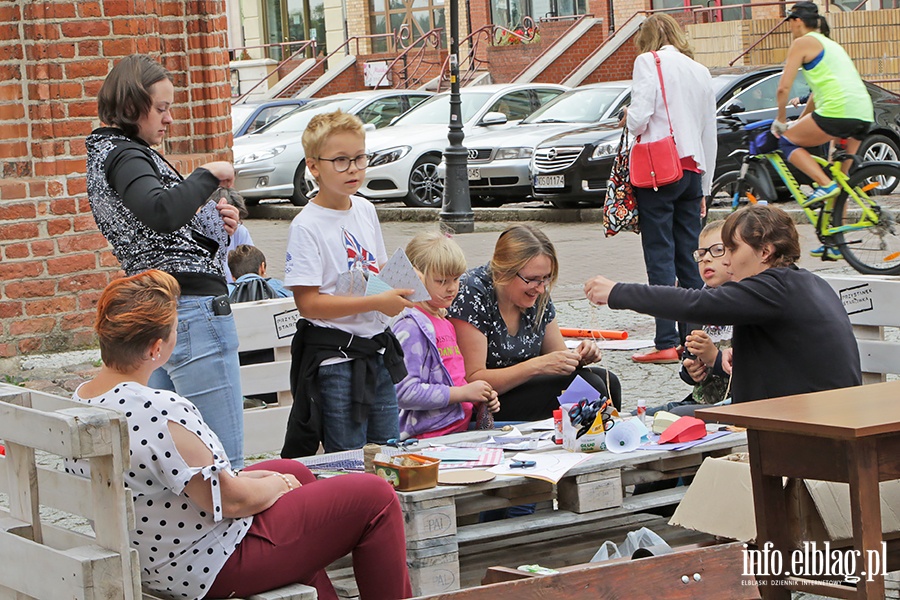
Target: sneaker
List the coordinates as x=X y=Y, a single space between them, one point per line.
x=831 y=254
x=822 y=193
x=669 y=355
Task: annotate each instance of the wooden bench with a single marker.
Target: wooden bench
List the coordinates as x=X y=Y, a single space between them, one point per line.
x=266 y=325
x=65 y=536
x=871 y=303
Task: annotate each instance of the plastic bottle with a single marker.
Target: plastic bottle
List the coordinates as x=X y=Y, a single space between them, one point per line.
x=642 y=410
x=557 y=425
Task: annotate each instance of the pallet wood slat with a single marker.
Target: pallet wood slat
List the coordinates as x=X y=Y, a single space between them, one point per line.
x=713 y=574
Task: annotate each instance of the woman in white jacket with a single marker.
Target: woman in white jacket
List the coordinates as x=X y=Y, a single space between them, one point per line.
x=670 y=216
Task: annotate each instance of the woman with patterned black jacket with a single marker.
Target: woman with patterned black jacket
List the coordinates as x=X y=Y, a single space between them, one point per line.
x=156 y=219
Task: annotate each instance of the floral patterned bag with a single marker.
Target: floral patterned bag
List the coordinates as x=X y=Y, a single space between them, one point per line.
x=620 y=211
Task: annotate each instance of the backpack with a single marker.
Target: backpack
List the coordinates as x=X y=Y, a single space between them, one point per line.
x=250 y=290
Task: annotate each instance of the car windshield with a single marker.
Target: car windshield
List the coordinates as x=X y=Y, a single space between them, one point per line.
x=297 y=121
x=588 y=105
x=436 y=110
x=239 y=114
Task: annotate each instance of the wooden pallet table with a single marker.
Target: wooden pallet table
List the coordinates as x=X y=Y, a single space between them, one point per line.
x=442 y=531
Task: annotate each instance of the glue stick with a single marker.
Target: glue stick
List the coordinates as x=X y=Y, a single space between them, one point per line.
x=558 y=426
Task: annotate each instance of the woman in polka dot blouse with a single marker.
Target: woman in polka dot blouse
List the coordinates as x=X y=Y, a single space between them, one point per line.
x=204 y=530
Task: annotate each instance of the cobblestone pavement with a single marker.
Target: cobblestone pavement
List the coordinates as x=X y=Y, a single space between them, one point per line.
x=583 y=252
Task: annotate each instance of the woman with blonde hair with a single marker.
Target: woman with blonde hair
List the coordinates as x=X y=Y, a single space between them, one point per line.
x=507 y=331
x=204 y=529
x=670 y=215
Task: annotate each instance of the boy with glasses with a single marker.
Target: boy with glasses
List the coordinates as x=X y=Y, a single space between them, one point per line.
x=345 y=361
x=702 y=364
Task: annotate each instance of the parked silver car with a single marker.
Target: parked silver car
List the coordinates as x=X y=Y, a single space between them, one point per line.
x=271 y=163
x=499 y=165
x=406 y=154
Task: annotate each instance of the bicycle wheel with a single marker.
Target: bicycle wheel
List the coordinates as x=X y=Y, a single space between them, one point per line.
x=724 y=187
x=874 y=249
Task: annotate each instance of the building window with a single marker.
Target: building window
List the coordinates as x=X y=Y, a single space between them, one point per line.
x=293 y=21
x=510 y=13
x=387 y=16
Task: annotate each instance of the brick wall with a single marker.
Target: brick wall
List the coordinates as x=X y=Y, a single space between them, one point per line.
x=505 y=62
x=586 y=45
x=53 y=58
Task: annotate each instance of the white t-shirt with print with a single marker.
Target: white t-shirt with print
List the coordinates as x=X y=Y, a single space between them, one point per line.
x=181 y=546
x=323 y=243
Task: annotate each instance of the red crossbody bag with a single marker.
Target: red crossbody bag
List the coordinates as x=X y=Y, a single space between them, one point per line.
x=656 y=163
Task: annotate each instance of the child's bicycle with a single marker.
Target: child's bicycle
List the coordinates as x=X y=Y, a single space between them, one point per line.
x=853 y=222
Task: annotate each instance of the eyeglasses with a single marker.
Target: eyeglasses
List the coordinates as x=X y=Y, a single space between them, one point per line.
x=536 y=282
x=716 y=251
x=342 y=163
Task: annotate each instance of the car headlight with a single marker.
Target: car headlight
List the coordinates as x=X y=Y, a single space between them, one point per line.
x=604 y=149
x=260 y=155
x=389 y=155
x=510 y=153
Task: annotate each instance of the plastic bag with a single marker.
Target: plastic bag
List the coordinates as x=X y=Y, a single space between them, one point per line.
x=637 y=544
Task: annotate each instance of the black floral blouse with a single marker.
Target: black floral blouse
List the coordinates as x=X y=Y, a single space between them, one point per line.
x=477 y=304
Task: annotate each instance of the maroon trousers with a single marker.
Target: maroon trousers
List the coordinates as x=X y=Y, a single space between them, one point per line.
x=309 y=528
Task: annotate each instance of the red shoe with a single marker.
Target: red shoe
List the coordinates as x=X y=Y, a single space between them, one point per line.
x=659 y=357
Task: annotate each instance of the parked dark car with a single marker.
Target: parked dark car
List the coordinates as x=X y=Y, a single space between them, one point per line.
x=584 y=158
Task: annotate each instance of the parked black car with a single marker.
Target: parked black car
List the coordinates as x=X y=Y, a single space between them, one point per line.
x=572 y=168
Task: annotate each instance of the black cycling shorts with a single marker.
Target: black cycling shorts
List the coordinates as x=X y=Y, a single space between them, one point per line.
x=842 y=128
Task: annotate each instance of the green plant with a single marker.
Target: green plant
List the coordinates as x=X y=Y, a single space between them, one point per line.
x=505 y=37
x=14 y=380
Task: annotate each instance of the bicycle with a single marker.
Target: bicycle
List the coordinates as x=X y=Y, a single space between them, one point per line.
x=870 y=244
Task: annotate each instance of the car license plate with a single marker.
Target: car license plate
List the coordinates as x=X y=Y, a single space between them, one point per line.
x=474 y=173
x=550 y=181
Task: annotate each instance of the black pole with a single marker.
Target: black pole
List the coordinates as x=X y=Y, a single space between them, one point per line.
x=456 y=212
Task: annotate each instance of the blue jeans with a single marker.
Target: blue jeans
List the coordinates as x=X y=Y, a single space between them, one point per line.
x=341 y=432
x=204 y=369
x=670 y=227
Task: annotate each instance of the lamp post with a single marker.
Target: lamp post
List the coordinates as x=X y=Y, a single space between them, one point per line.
x=456 y=211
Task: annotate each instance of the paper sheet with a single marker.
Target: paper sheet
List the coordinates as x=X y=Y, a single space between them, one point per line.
x=628 y=344
x=399 y=273
x=651 y=445
x=578 y=389
x=375 y=285
x=551 y=466
x=351 y=283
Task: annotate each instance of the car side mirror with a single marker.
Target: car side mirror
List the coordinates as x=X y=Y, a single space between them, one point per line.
x=493 y=118
x=369 y=127
x=733 y=109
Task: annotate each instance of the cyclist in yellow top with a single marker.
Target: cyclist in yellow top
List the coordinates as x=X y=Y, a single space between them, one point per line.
x=839 y=107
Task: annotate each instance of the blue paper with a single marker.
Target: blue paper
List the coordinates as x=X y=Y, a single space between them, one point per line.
x=578 y=389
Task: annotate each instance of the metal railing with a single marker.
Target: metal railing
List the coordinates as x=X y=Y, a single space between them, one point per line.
x=304 y=46
x=413 y=66
x=395 y=39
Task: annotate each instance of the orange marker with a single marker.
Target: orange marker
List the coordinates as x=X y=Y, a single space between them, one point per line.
x=597 y=334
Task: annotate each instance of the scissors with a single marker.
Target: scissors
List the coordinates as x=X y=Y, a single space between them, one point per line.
x=394 y=442
x=522 y=464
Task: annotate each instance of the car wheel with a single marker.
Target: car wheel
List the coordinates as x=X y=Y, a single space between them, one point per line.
x=426 y=189
x=878 y=147
x=301 y=190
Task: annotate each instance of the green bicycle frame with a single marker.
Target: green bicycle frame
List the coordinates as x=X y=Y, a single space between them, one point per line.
x=868 y=218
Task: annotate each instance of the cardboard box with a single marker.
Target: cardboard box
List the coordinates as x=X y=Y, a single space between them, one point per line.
x=720 y=502
x=589 y=442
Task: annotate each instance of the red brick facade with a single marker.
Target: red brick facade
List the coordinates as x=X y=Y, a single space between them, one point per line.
x=53 y=58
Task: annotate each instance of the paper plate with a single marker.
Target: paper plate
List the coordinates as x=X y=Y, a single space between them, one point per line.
x=464 y=477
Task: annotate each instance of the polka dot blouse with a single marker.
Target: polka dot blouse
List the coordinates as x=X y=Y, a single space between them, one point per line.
x=477 y=304
x=182 y=547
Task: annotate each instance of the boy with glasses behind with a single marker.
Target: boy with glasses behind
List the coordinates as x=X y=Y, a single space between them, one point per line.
x=345 y=361
x=702 y=361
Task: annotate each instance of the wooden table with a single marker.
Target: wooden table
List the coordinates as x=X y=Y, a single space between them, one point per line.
x=850 y=435
x=440 y=525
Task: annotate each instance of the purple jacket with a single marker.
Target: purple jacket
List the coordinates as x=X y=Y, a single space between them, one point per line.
x=424 y=394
